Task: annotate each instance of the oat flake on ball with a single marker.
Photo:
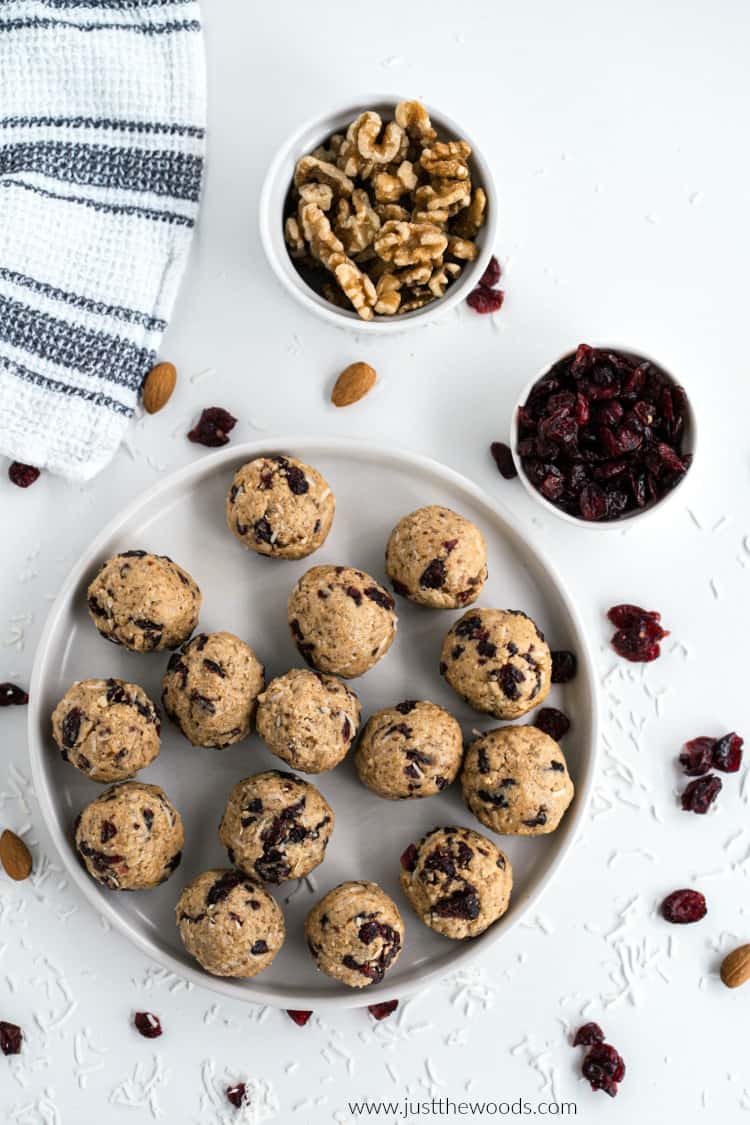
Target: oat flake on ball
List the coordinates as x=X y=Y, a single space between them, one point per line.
x=211 y=687
x=279 y=506
x=145 y=602
x=130 y=838
x=342 y=621
x=437 y=558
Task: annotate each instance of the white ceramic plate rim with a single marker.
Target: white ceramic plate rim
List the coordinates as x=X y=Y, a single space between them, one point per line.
x=38 y=748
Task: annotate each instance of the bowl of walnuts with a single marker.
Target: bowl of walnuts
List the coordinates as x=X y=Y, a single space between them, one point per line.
x=379 y=215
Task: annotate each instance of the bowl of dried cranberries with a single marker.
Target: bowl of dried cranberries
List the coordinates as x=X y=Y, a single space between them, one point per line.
x=603 y=435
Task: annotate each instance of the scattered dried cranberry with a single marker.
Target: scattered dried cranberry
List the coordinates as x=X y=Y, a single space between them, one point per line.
x=485 y=300
x=552 y=722
x=564 y=666
x=11 y=1037
x=381 y=1011
x=727 y=753
x=148 y=1024
x=299 y=1016
x=684 y=906
x=492 y=274
x=604 y=1068
x=600 y=434
x=587 y=1035
x=504 y=460
x=638 y=632
x=213 y=427
x=12 y=695
x=236 y=1094
x=22 y=475
x=696 y=757
x=700 y=794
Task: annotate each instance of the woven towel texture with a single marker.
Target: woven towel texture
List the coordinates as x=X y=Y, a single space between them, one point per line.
x=102 y=134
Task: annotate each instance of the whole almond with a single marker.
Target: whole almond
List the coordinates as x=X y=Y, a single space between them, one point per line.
x=353 y=384
x=735 y=968
x=158 y=386
x=15 y=856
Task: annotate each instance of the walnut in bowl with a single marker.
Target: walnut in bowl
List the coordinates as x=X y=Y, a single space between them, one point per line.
x=379 y=215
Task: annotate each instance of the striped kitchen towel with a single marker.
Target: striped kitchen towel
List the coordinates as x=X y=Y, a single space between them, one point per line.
x=102 y=133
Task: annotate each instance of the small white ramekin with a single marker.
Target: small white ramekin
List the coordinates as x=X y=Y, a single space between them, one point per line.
x=271 y=218
x=689 y=445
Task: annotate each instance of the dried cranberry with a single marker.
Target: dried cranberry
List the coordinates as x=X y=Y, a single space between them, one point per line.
x=409 y=858
x=434 y=575
x=492 y=274
x=696 y=758
x=727 y=753
x=485 y=300
x=213 y=427
x=148 y=1025
x=638 y=634
x=587 y=1035
x=11 y=1038
x=22 y=475
x=237 y=1094
x=564 y=666
x=700 y=794
x=382 y=1010
x=624 y=616
x=299 y=1016
x=552 y=722
x=11 y=695
x=684 y=906
x=592 y=503
x=604 y=1068
x=504 y=460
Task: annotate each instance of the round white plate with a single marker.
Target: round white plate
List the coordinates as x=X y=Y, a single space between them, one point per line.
x=183 y=517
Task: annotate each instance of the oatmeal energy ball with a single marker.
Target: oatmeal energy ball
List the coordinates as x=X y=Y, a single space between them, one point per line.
x=355 y=933
x=515 y=780
x=210 y=689
x=279 y=506
x=229 y=923
x=341 y=619
x=437 y=558
x=130 y=838
x=106 y=728
x=144 y=602
x=308 y=719
x=276 y=826
x=456 y=881
x=410 y=750
x=498 y=661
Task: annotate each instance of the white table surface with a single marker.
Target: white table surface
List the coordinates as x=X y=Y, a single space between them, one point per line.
x=618 y=140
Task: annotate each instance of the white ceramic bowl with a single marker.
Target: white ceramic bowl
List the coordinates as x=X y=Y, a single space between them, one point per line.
x=689 y=445
x=271 y=217
x=183 y=516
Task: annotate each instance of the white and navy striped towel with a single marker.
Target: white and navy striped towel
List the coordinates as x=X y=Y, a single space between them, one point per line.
x=102 y=132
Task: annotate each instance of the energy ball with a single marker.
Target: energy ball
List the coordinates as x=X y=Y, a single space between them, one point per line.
x=341 y=619
x=437 y=558
x=130 y=838
x=108 y=729
x=410 y=750
x=279 y=506
x=276 y=826
x=229 y=923
x=355 y=933
x=515 y=780
x=456 y=881
x=498 y=661
x=145 y=602
x=308 y=719
x=211 y=687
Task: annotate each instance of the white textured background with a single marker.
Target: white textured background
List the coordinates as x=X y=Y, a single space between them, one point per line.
x=618 y=135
